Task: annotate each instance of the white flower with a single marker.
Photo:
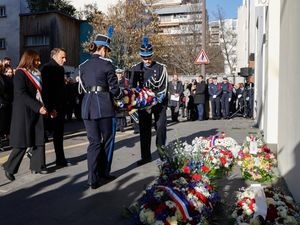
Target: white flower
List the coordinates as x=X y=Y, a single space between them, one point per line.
x=290 y=220
x=170 y=204
x=270 y=201
x=147 y=216
x=172 y=220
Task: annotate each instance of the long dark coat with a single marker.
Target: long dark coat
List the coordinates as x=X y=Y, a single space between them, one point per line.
x=199 y=97
x=6 y=97
x=27 y=128
x=174 y=90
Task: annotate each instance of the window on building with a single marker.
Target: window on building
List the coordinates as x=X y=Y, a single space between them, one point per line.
x=2 y=43
x=38 y=40
x=2 y=11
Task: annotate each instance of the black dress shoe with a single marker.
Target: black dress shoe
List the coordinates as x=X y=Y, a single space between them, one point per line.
x=93 y=186
x=63 y=164
x=143 y=161
x=9 y=176
x=109 y=177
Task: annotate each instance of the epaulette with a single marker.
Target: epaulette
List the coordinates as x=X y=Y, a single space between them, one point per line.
x=106 y=59
x=136 y=64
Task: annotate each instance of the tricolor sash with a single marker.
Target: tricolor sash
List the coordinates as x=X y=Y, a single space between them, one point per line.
x=35 y=80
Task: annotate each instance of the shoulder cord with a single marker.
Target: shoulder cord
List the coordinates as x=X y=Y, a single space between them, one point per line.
x=80 y=86
x=163 y=79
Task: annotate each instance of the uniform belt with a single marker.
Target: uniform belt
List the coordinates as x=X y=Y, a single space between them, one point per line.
x=97 y=89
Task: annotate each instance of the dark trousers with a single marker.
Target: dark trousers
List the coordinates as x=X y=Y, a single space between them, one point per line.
x=37 y=161
x=56 y=125
x=174 y=113
x=145 y=122
x=101 y=136
x=225 y=105
x=200 y=110
x=215 y=106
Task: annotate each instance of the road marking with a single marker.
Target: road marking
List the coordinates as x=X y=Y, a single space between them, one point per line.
x=3 y=159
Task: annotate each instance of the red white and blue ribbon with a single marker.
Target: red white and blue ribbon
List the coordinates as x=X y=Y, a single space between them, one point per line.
x=212 y=141
x=36 y=80
x=180 y=201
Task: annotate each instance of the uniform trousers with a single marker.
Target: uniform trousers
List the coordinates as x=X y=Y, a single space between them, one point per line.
x=225 y=105
x=215 y=107
x=145 y=122
x=101 y=135
x=37 y=161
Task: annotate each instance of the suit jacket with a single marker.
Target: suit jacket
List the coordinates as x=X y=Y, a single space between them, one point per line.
x=27 y=128
x=175 y=89
x=200 y=92
x=98 y=71
x=53 y=77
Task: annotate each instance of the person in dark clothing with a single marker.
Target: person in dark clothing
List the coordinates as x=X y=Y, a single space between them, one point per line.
x=121 y=116
x=175 y=90
x=215 y=90
x=226 y=97
x=53 y=76
x=100 y=84
x=6 y=99
x=249 y=97
x=27 y=117
x=199 y=97
x=155 y=77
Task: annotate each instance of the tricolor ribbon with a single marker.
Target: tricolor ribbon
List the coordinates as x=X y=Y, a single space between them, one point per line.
x=212 y=141
x=179 y=200
x=36 y=80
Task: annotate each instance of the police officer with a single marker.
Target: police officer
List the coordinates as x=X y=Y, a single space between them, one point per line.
x=155 y=77
x=215 y=90
x=226 y=97
x=100 y=84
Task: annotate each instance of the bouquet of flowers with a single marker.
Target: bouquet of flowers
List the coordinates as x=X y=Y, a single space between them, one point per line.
x=280 y=208
x=136 y=98
x=180 y=197
x=218 y=158
x=256 y=162
x=205 y=143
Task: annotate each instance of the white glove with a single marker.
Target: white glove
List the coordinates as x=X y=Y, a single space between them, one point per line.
x=214 y=96
x=229 y=99
x=239 y=96
x=247 y=99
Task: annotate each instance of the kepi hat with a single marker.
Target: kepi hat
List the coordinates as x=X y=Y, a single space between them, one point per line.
x=104 y=40
x=146 y=49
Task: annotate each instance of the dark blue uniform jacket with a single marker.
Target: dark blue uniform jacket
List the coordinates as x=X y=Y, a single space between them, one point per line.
x=98 y=71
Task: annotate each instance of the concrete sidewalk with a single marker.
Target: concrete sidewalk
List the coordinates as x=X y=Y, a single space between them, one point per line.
x=61 y=197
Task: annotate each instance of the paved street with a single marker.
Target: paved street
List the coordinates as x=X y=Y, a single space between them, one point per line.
x=61 y=196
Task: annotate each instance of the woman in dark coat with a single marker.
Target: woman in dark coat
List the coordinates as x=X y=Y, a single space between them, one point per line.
x=27 y=128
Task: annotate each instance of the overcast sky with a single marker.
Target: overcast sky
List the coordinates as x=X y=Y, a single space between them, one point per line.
x=102 y=4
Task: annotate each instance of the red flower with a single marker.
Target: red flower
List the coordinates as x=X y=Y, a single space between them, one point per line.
x=209 y=187
x=271 y=213
x=186 y=169
x=223 y=160
x=196 y=177
x=205 y=169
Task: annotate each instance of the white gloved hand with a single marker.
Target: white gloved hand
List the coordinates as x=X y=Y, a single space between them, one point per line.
x=247 y=99
x=239 y=96
x=214 y=96
x=229 y=99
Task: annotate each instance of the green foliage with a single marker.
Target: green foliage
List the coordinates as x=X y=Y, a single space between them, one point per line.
x=63 y=6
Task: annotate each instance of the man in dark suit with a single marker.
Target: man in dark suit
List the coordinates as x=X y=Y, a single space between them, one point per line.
x=199 y=97
x=53 y=76
x=175 y=90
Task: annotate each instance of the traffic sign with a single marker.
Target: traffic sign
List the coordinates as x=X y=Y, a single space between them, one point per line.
x=202 y=58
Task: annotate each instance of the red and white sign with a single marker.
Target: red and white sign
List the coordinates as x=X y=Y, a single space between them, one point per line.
x=202 y=58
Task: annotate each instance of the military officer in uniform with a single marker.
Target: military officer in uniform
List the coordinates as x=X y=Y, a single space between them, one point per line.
x=226 y=97
x=155 y=77
x=215 y=90
x=100 y=84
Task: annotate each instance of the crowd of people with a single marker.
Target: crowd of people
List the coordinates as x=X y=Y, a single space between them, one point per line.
x=34 y=102
x=200 y=100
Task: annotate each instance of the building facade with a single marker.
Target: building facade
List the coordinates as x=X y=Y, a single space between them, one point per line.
x=273 y=38
x=10 y=27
